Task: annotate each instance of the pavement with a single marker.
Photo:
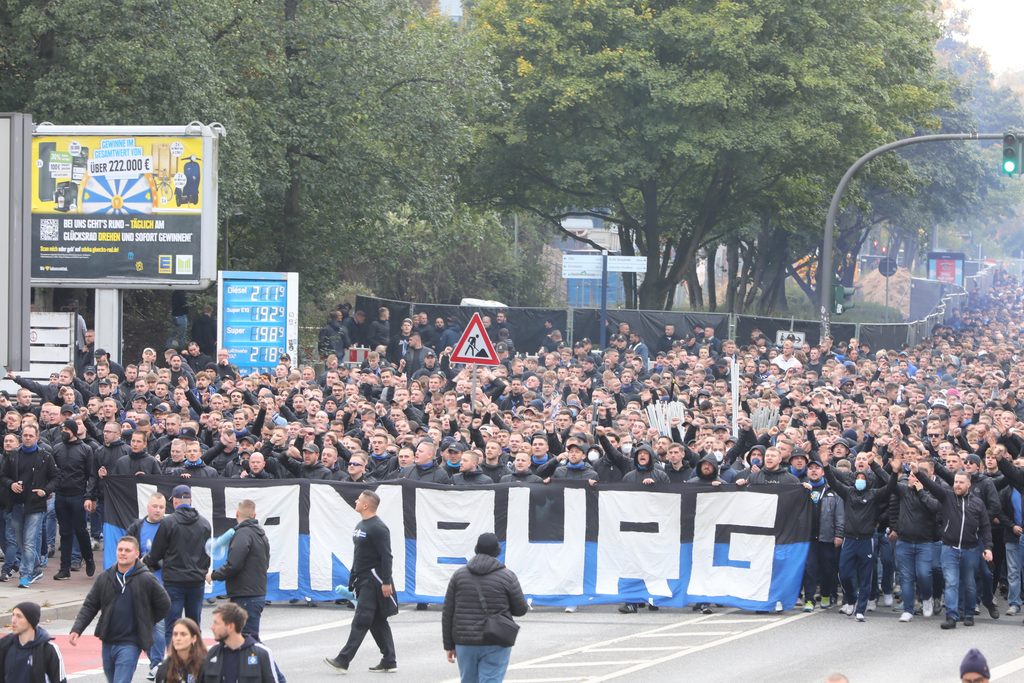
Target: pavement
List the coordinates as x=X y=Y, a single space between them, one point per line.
x=599 y=644
x=58 y=599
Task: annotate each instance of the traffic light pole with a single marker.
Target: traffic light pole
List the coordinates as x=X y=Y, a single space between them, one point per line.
x=826 y=269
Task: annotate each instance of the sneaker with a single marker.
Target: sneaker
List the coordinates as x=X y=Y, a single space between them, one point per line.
x=706 y=609
x=927 y=609
x=151 y=676
x=825 y=603
x=529 y=603
x=24 y=582
x=809 y=606
x=76 y=565
x=872 y=605
x=571 y=609
x=36 y=577
x=993 y=611
x=90 y=567
x=905 y=617
x=95 y=544
x=969 y=621
x=51 y=551
x=859 y=617
x=887 y=599
x=778 y=607
x=62 y=576
x=6 y=575
x=337 y=664
x=383 y=668
x=948 y=624
x=847 y=610
x=651 y=607
x=1013 y=611
x=628 y=608
x=421 y=607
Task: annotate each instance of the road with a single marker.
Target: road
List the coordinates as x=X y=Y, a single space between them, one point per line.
x=598 y=644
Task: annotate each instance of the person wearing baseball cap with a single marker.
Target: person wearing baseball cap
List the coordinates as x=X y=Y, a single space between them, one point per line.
x=180 y=547
x=30 y=651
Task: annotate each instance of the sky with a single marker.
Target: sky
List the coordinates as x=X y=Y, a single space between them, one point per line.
x=997 y=26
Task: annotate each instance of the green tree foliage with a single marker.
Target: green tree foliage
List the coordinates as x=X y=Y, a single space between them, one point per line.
x=682 y=122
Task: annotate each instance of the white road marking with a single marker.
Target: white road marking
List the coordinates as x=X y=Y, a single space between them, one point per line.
x=1004 y=670
x=687 y=634
x=562 y=665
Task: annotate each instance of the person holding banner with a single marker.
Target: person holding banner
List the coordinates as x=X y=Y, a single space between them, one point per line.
x=370 y=580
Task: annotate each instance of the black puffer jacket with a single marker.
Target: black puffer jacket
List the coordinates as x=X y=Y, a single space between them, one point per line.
x=180 y=545
x=74 y=467
x=462 y=620
x=245 y=570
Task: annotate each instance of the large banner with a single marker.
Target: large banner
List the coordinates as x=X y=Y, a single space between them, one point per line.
x=570 y=544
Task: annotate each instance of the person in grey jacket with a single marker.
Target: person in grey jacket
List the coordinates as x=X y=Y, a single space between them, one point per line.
x=645 y=468
x=576 y=467
x=482 y=588
x=827 y=530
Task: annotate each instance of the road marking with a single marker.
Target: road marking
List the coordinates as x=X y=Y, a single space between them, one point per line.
x=541 y=680
x=687 y=634
x=1004 y=670
x=562 y=665
x=660 y=648
x=700 y=648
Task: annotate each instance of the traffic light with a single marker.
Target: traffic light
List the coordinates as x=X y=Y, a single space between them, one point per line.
x=1011 y=155
x=842 y=298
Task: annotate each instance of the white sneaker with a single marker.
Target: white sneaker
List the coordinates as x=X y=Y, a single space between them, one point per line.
x=1013 y=611
x=529 y=603
x=872 y=605
x=859 y=617
x=905 y=617
x=887 y=599
x=847 y=610
x=927 y=608
x=570 y=610
x=778 y=606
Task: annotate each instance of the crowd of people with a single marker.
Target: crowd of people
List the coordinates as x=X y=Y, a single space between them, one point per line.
x=911 y=457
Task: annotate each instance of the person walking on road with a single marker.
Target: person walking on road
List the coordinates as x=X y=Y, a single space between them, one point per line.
x=237 y=658
x=180 y=547
x=129 y=600
x=482 y=588
x=245 y=570
x=31 y=476
x=28 y=654
x=370 y=580
x=184 y=661
x=145 y=530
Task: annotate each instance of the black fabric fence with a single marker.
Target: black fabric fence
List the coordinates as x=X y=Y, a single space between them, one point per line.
x=650 y=325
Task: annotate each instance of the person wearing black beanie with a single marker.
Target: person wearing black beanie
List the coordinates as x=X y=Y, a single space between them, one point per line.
x=29 y=654
x=974 y=663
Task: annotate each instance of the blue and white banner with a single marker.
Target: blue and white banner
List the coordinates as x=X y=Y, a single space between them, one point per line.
x=570 y=544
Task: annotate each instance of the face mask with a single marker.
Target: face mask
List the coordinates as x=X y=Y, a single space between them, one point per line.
x=593 y=456
x=860 y=484
x=627 y=448
x=719 y=455
x=65 y=437
x=755 y=462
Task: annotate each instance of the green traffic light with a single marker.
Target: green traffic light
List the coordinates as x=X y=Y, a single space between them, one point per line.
x=1009 y=166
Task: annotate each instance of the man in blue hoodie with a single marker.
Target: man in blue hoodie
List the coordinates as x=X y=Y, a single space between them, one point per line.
x=29 y=654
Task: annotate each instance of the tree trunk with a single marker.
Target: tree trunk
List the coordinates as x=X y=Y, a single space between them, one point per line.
x=732 y=257
x=711 y=251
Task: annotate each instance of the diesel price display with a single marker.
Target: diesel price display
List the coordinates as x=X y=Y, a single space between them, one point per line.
x=258 y=320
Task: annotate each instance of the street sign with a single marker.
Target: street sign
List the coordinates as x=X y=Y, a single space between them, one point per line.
x=583 y=266
x=627 y=264
x=797 y=338
x=887 y=266
x=474 y=346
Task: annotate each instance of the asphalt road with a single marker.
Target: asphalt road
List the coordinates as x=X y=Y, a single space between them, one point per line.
x=598 y=644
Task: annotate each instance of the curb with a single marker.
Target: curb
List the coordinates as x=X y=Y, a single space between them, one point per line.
x=54 y=612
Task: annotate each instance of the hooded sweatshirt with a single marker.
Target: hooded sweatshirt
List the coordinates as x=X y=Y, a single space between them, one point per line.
x=701 y=477
x=36 y=661
x=180 y=544
x=649 y=471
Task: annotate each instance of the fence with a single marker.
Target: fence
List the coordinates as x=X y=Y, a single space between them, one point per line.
x=529 y=332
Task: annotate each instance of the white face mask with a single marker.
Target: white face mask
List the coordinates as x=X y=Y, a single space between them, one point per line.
x=627 y=448
x=719 y=455
x=593 y=456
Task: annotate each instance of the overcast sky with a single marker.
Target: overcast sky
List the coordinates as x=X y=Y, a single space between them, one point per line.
x=997 y=26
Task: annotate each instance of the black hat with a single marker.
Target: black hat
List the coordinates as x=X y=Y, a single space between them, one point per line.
x=247 y=437
x=33 y=613
x=487 y=544
x=311 y=447
x=71 y=426
x=89 y=368
x=574 y=444
x=188 y=434
x=105 y=382
x=100 y=352
x=162 y=408
x=182 y=492
x=973 y=662
x=69 y=408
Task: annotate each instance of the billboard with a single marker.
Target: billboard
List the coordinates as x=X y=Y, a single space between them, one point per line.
x=259 y=318
x=946 y=267
x=124 y=207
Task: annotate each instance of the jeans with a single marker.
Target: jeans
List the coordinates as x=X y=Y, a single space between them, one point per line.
x=12 y=551
x=253 y=606
x=156 y=653
x=27 y=530
x=1014 y=565
x=855 y=564
x=482 y=663
x=959 y=566
x=71 y=515
x=96 y=522
x=938 y=583
x=886 y=557
x=821 y=569
x=915 y=565
x=119 y=661
x=187 y=597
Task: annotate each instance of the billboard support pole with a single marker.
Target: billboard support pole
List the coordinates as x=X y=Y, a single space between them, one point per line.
x=109 y=309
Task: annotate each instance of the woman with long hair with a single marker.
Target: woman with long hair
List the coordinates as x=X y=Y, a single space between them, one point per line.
x=184 y=661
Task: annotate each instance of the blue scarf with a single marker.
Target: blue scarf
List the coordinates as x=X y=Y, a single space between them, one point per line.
x=577 y=466
x=379 y=458
x=797 y=473
x=816 y=484
x=30 y=449
x=643 y=468
x=194 y=465
x=426 y=467
x=1015 y=499
x=537 y=461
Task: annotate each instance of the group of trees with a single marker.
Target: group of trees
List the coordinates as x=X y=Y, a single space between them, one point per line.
x=376 y=141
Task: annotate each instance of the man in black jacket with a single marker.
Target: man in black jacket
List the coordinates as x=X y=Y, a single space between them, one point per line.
x=129 y=600
x=31 y=476
x=73 y=459
x=245 y=570
x=237 y=657
x=966 y=540
x=370 y=579
x=29 y=653
x=482 y=588
x=180 y=545
x=912 y=521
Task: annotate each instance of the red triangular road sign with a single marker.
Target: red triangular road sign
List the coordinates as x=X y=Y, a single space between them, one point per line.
x=474 y=345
